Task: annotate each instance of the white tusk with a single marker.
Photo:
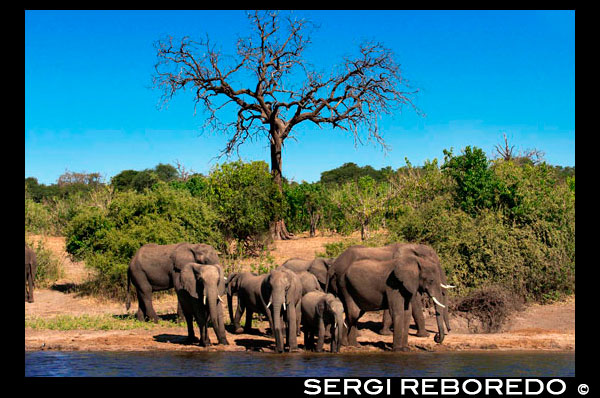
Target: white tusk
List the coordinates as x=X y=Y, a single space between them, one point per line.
x=219 y=298
x=204 y=299
x=447 y=286
x=284 y=305
x=268 y=305
x=335 y=325
x=437 y=302
x=346 y=326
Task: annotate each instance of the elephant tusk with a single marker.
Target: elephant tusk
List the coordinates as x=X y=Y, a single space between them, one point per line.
x=204 y=299
x=346 y=326
x=335 y=325
x=447 y=286
x=219 y=298
x=437 y=302
x=284 y=305
x=269 y=304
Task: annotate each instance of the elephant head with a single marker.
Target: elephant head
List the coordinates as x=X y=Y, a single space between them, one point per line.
x=334 y=314
x=282 y=289
x=201 y=282
x=422 y=274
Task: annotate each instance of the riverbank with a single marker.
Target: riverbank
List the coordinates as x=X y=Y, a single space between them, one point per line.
x=538 y=327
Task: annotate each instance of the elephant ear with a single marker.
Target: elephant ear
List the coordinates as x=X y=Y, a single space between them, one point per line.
x=232 y=282
x=187 y=278
x=406 y=270
x=321 y=304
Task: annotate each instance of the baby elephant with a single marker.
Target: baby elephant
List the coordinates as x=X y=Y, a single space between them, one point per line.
x=320 y=310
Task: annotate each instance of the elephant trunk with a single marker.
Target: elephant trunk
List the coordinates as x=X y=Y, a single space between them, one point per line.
x=278 y=326
x=337 y=336
x=439 y=311
x=230 y=306
x=216 y=315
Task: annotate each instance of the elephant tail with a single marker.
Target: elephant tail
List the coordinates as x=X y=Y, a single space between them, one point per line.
x=128 y=300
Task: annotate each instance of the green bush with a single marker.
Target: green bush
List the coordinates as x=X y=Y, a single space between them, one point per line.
x=49 y=266
x=246 y=200
x=108 y=238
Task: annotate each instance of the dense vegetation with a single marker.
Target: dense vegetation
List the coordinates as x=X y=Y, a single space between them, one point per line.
x=507 y=222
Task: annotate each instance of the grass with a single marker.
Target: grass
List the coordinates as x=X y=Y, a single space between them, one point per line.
x=94 y=322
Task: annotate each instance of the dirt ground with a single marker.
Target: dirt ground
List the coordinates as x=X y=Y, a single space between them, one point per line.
x=537 y=327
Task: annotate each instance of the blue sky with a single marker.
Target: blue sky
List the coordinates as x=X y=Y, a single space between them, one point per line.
x=90 y=106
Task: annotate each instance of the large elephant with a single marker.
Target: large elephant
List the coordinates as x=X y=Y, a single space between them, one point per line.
x=248 y=288
x=387 y=252
x=372 y=284
x=318 y=267
x=151 y=269
x=30 y=268
x=283 y=289
x=320 y=310
x=199 y=287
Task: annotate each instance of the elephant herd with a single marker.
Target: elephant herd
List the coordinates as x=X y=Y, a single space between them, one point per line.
x=323 y=297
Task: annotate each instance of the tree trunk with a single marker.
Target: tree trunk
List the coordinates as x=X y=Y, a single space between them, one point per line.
x=278 y=229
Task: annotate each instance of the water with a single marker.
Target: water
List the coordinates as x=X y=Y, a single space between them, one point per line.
x=421 y=364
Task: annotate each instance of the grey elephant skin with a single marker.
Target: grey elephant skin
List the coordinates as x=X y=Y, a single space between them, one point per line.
x=151 y=270
x=283 y=290
x=385 y=253
x=248 y=288
x=370 y=284
x=30 y=269
x=318 y=267
x=319 y=311
x=199 y=287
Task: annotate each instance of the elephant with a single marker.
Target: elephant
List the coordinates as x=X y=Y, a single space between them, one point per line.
x=30 y=268
x=151 y=270
x=372 y=284
x=320 y=310
x=247 y=286
x=318 y=267
x=192 y=281
x=310 y=283
x=385 y=253
x=283 y=288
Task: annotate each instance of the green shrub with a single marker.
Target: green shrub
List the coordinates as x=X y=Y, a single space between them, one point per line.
x=108 y=239
x=49 y=266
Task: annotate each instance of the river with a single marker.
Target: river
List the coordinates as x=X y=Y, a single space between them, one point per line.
x=414 y=364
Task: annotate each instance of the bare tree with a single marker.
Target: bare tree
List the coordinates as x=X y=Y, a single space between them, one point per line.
x=280 y=91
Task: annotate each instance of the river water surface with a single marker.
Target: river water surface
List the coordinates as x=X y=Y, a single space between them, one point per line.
x=414 y=364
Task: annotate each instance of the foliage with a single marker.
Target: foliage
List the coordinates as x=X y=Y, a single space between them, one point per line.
x=145 y=179
x=246 y=200
x=108 y=238
x=94 y=322
x=349 y=172
x=307 y=206
x=49 y=267
x=362 y=203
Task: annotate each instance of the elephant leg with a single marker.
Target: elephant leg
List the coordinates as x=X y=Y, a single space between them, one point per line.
x=30 y=283
x=417 y=314
x=248 y=324
x=298 y=317
x=144 y=291
x=237 y=327
x=180 y=314
x=202 y=320
x=292 y=336
x=400 y=312
x=386 y=323
x=353 y=313
x=309 y=342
